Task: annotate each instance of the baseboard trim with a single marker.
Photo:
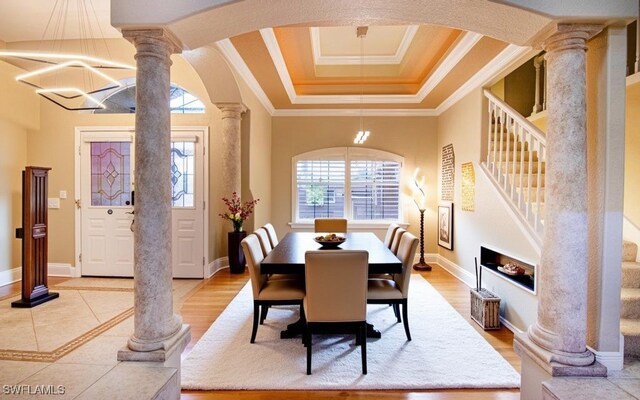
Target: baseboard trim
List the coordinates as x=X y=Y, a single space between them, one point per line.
x=10 y=276
x=60 y=269
x=468 y=279
x=454 y=269
x=510 y=326
x=613 y=360
x=216 y=265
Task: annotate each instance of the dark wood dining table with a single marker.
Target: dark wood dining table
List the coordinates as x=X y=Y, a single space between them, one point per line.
x=288 y=258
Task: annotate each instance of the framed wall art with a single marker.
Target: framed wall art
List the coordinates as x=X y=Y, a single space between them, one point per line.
x=445 y=226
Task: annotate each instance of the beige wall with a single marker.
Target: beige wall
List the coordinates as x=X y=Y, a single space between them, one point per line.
x=19 y=112
x=53 y=146
x=13 y=141
x=605 y=74
x=413 y=138
x=632 y=155
x=491 y=224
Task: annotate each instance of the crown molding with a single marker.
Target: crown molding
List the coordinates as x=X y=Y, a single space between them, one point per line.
x=340 y=112
x=461 y=48
x=232 y=56
x=502 y=61
x=271 y=42
x=394 y=59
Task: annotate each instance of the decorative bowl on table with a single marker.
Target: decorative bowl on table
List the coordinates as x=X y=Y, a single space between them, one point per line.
x=330 y=241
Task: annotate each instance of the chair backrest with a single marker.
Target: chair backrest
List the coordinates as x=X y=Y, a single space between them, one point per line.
x=406 y=253
x=263 y=238
x=253 y=254
x=388 y=239
x=395 y=244
x=273 y=237
x=336 y=285
x=331 y=225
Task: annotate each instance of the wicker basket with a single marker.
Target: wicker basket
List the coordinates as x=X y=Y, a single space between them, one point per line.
x=485 y=309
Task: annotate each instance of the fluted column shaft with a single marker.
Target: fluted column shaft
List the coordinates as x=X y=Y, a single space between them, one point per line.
x=231 y=147
x=154 y=320
x=562 y=276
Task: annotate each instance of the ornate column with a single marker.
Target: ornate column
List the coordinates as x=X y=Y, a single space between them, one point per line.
x=557 y=341
x=158 y=332
x=537 y=63
x=231 y=149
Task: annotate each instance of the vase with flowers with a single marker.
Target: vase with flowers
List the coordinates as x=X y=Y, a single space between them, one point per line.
x=237 y=213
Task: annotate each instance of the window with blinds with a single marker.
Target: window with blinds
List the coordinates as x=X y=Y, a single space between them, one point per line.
x=375 y=190
x=320 y=188
x=370 y=179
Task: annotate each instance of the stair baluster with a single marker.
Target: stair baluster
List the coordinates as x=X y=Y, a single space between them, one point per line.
x=515 y=162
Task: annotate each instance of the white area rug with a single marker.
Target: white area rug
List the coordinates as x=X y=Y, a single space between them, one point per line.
x=445 y=352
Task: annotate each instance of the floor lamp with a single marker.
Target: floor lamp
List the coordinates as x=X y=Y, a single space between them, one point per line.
x=420 y=265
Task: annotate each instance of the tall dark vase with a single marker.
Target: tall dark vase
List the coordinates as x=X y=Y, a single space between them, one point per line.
x=236 y=256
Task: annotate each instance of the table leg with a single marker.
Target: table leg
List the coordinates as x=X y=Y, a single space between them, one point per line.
x=372 y=332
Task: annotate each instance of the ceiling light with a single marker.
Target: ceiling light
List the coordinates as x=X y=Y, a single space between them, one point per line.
x=362 y=135
x=55 y=74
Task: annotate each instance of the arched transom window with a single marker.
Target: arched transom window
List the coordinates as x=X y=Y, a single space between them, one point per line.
x=123 y=100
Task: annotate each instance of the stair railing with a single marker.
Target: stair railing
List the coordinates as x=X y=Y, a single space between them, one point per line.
x=516 y=153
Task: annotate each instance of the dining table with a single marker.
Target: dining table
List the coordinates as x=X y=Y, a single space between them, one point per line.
x=288 y=258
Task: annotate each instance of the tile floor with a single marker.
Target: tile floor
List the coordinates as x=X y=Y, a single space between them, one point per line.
x=90 y=370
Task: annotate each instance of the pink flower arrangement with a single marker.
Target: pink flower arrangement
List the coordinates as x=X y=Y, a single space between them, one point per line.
x=238 y=212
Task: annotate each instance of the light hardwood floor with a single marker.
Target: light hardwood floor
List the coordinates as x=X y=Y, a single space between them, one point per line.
x=208 y=301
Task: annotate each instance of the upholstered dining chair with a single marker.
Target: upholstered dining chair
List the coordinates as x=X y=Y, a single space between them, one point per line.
x=330 y=225
x=388 y=240
x=273 y=237
x=265 y=243
x=396 y=291
x=336 y=293
x=391 y=232
x=395 y=243
x=268 y=292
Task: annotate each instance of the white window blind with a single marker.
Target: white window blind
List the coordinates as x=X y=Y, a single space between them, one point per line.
x=320 y=188
x=375 y=190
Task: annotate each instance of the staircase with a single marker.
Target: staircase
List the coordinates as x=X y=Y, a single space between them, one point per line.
x=630 y=296
x=515 y=162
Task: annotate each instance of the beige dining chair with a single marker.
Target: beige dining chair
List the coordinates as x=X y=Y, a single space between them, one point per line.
x=395 y=243
x=267 y=292
x=273 y=237
x=265 y=243
x=391 y=232
x=396 y=291
x=331 y=225
x=336 y=294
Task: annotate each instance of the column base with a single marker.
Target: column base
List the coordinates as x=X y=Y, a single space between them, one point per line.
x=537 y=366
x=170 y=347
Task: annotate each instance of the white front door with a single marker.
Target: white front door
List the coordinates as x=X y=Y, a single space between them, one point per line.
x=106 y=186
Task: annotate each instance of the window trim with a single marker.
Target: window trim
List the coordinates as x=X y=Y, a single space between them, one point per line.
x=346 y=154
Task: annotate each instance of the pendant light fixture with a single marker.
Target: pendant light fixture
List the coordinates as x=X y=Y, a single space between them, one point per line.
x=70 y=79
x=362 y=135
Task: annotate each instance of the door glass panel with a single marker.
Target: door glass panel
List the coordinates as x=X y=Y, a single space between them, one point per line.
x=182 y=174
x=110 y=173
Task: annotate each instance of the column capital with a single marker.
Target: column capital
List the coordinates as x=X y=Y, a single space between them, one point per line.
x=571 y=37
x=231 y=110
x=158 y=38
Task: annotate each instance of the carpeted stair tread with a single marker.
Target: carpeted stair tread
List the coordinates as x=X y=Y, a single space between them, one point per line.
x=630 y=274
x=630 y=303
x=630 y=327
x=629 y=251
